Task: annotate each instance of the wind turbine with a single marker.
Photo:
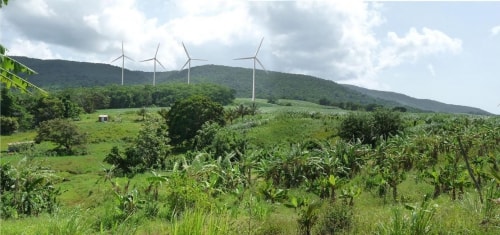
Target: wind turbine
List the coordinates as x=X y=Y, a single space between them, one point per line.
x=123 y=56
x=188 y=62
x=155 y=61
x=255 y=59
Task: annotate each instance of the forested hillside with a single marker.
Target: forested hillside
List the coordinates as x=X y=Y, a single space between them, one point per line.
x=57 y=74
x=422 y=104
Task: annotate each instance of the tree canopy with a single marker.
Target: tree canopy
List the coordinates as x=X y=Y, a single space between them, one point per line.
x=187 y=116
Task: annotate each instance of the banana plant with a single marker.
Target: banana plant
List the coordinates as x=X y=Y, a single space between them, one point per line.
x=308 y=216
x=155 y=182
x=273 y=194
x=348 y=194
x=296 y=202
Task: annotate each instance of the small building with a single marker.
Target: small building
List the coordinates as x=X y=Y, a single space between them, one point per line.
x=103 y=118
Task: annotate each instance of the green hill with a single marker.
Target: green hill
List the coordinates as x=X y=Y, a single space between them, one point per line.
x=422 y=104
x=60 y=74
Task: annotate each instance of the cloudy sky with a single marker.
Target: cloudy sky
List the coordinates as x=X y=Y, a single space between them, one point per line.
x=445 y=51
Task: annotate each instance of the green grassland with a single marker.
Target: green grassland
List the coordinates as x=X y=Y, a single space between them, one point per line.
x=89 y=204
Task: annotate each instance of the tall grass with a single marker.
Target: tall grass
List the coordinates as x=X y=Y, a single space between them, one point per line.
x=200 y=222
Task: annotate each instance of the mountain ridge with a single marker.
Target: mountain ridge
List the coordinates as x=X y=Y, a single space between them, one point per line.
x=60 y=74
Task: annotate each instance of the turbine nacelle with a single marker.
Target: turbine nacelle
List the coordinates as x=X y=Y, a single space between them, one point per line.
x=155 y=61
x=123 y=56
x=255 y=60
x=188 y=62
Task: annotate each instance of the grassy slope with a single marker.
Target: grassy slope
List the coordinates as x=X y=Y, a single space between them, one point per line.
x=85 y=188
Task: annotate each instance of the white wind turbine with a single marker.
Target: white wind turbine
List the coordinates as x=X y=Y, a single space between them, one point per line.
x=155 y=61
x=188 y=62
x=123 y=56
x=255 y=59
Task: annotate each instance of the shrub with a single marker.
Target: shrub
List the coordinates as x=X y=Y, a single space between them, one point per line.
x=357 y=126
x=335 y=219
x=217 y=140
x=187 y=116
x=27 y=189
x=368 y=128
x=386 y=123
x=8 y=125
x=149 y=151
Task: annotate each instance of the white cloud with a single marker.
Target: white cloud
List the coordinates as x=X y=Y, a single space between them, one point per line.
x=415 y=45
x=495 y=30
x=329 y=39
x=32 y=49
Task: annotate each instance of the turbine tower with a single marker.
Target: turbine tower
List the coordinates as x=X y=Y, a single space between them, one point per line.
x=155 y=61
x=255 y=59
x=123 y=56
x=188 y=62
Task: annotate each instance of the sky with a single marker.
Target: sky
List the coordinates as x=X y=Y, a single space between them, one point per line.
x=445 y=51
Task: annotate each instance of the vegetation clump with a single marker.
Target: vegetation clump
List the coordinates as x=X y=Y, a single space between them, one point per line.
x=187 y=116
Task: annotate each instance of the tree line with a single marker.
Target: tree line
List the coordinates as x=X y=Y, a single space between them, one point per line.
x=22 y=112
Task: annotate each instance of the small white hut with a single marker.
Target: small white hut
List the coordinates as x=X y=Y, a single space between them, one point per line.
x=103 y=118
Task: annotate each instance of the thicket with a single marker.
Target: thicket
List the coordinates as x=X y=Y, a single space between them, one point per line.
x=186 y=117
x=138 y=96
x=370 y=128
x=149 y=150
x=28 y=189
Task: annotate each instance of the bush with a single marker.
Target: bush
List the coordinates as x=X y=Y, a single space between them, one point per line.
x=334 y=219
x=386 y=123
x=369 y=128
x=217 y=140
x=357 y=126
x=27 y=189
x=149 y=151
x=8 y=125
x=187 y=116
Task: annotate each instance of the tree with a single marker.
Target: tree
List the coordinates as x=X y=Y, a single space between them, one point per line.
x=63 y=133
x=371 y=127
x=8 y=107
x=386 y=123
x=8 y=125
x=47 y=108
x=149 y=151
x=357 y=126
x=187 y=116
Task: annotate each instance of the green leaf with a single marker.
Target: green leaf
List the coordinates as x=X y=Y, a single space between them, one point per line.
x=332 y=180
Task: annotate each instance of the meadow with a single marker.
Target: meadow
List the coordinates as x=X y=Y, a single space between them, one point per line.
x=296 y=176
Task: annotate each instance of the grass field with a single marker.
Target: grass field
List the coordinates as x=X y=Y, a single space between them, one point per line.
x=89 y=204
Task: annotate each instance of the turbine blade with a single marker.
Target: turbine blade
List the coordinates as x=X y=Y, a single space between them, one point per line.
x=148 y=59
x=258 y=61
x=244 y=58
x=160 y=64
x=185 y=50
x=157 y=48
x=116 y=59
x=128 y=57
x=122 y=48
x=199 y=59
x=259 y=47
x=184 y=65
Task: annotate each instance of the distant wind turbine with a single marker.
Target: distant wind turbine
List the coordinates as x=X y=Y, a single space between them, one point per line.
x=155 y=61
x=188 y=62
x=255 y=59
x=123 y=56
